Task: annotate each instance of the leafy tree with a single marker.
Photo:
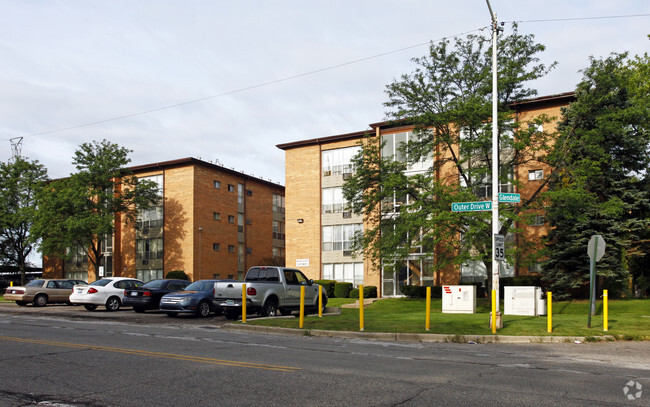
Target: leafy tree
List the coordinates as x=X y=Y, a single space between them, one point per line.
x=81 y=211
x=20 y=181
x=448 y=99
x=602 y=156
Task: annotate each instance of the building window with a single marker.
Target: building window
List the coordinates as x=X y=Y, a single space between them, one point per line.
x=393 y=146
x=231 y=219
x=148 y=275
x=339 y=161
x=240 y=222
x=231 y=248
x=147 y=249
x=216 y=247
x=538 y=220
x=231 y=188
x=278 y=230
x=535 y=175
x=344 y=272
x=339 y=237
x=249 y=250
x=240 y=254
x=217 y=184
x=278 y=203
x=333 y=200
x=240 y=193
x=216 y=215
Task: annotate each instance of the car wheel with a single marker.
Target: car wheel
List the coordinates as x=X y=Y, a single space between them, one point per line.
x=270 y=308
x=285 y=311
x=21 y=303
x=172 y=314
x=203 y=310
x=90 y=307
x=113 y=304
x=139 y=310
x=40 y=300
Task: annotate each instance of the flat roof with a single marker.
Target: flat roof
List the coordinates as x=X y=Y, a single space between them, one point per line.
x=556 y=99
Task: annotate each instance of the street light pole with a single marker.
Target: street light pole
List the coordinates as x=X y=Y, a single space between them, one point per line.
x=495 y=157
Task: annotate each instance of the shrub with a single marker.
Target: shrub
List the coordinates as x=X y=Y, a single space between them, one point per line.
x=328 y=287
x=342 y=290
x=368 y=292
x=414 y=291
x=178 y=274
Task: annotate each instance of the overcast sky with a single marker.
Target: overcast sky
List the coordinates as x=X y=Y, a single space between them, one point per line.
x=257 y=73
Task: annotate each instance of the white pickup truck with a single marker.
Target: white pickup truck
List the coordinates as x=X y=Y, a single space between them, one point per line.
x=269 y=289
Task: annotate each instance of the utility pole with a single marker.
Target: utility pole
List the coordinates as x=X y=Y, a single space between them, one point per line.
x=16 y=147
x=495 y=162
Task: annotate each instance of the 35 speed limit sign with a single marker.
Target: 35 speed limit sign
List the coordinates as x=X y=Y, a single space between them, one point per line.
x=499 y=247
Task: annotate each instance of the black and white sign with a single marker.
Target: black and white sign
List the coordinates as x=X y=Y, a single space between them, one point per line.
x=499 y=247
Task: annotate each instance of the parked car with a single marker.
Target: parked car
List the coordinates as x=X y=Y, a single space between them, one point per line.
x=107 y=291
x=148 y=296
x=195 y=299
x=42 y=291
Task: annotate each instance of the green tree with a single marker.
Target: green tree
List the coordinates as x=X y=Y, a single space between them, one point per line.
x=448 y=99
x=601 y=157
x=82 y=210
x=20 y=181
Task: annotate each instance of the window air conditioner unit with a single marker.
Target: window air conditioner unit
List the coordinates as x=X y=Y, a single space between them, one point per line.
x=145 y=231
x=145 y=262
x=347 y=175
x=347 y=215
x=347 y=252
x=327 y=173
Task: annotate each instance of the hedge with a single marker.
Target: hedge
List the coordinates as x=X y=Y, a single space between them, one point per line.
x=368 y=292
x=178 y=274
x=342 y=290
x=418 y=291
x=328 y=287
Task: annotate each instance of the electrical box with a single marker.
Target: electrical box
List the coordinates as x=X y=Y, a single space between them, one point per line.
x=523 y=300
x=459 y=299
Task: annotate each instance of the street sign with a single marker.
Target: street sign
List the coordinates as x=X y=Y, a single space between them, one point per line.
x=596 y=247
x=471 y=206
x=508 y=197
x=499 y=248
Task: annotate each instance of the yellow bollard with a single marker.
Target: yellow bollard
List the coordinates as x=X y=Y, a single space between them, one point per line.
x=11 y=284
x=243 y=303
x=302 y=306
x=494 y=312
x=320 y=301
x=361 y=322
x=428 y=321
x=605 y=322
x=549 y=313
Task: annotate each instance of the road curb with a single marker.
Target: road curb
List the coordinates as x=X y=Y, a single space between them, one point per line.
x=408 y=337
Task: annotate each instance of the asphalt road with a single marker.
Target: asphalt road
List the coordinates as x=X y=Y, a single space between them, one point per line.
x=58 y=356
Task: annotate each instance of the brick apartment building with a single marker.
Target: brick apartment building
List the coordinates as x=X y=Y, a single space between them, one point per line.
x=319 y=228
x=213 y=222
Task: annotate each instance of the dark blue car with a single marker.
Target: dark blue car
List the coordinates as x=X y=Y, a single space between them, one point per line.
x=197 y=298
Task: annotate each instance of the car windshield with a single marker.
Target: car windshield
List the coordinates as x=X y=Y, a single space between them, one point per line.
x=103 y=282
x=200 y=286
x=154 y=284
x=35 y=283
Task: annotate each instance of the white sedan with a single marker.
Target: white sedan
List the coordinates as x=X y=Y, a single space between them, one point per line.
x=107 y=291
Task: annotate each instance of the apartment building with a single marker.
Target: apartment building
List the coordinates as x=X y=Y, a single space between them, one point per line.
x=320 y=228
x=213 y=222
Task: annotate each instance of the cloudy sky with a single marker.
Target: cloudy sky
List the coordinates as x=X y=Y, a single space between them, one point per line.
x=225 y=81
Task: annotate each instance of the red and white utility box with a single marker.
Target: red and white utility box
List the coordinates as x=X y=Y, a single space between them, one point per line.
x=459 y=299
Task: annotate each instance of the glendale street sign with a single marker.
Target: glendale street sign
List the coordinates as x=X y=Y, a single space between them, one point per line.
x=508 y=197
x=471 y=206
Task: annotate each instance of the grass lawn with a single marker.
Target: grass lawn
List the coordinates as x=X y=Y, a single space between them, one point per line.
x=628 y=319
x=2 y=299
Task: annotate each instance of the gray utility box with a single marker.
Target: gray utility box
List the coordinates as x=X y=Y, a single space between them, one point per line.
x=523 y=300
x=459 y=299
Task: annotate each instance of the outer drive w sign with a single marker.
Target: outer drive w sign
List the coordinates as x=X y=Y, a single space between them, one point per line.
x=471 y=206
x=499 y=248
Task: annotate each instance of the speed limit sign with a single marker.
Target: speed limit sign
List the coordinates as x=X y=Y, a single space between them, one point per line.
x=499 y=247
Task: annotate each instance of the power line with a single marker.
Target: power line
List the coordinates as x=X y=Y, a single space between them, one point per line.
x=577 y=18
x=126 y=116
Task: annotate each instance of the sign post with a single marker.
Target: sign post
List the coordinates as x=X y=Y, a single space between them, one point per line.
x=595 y=250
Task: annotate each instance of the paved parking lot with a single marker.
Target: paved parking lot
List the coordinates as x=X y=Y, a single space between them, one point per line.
x=123 y=315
